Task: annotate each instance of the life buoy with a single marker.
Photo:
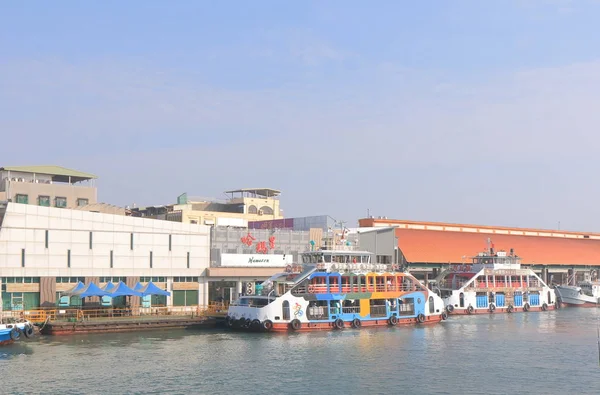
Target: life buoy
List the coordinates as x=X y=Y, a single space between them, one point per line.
x=311 y=288
x=492 y=307
x=339 y=324
x=449 y=308
x=526 y=307
x=268 y=325
x=544 y=307
x=393 y=320
x=28 y=331
x=444 y=316
x=295 y=324
x=421 y=318
x=356 y=323
x=510 y=308
x=15 y=334
x=470 y=309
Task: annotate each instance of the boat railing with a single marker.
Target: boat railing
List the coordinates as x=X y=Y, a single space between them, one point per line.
x=482 y=284
x=351 y=310
x=322 y=288
x=378 y=311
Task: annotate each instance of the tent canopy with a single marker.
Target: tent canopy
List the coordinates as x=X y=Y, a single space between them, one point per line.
x=109 y=286
x=123 y=290
x=78 y=287
x=90 y=290
x=151 y=289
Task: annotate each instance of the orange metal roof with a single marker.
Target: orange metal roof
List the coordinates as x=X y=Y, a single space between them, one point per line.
x=435 y=246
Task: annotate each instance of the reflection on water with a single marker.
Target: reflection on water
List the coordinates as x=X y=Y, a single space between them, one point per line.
x=545 y=353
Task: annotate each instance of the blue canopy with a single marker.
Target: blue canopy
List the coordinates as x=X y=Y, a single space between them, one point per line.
x=78 y=287
x=90 y=290
x=109 y=286
x=123 y=290
x=138 y=286
x=151 y=289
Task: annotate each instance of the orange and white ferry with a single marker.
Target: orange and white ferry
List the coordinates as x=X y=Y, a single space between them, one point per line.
x=494 y=282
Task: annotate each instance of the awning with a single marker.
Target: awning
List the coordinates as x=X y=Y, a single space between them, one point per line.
x=78 y=287
x=123 y=290
x=90 y=290
x=108 y=287
x=151 y=289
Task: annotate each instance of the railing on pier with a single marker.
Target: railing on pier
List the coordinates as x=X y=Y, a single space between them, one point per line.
x=84 y=314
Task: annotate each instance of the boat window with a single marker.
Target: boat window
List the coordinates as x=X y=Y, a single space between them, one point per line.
x=431 y=305
x=285 y=306
x=461 y=300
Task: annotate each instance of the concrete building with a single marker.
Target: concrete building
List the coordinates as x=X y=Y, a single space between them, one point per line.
x=427 y=247
x=45 y=250
x=243 y=205
x=324 y=222
x=49 y=186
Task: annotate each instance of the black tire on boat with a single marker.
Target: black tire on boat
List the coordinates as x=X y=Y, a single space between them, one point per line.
x=255 y=324
x=15 y=334
x=544 y=307
x=339 y=323
x=28 y=331
x=470 y=309
x=492 y=307
x=295 y=324
x=356 y=323
x=268 y=325
x=444 y=316
x=510 y=308
x=393 y=321
x=421 y=318
x=449 y=308
x=526 y=307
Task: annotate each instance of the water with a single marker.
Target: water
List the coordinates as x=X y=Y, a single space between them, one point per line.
x=542 y=353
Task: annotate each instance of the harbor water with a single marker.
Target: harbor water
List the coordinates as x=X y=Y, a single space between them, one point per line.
x=544 y=353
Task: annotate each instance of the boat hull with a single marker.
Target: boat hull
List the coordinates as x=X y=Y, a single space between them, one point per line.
x=571 y=296
x=500 y=310
x=330 y=326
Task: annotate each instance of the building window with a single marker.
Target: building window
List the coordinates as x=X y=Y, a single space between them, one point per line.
x=188 y=260
x=44 y=201
x=69 y=280
x=193 y=222
x=47 y=239
x=82 y=202
x=153 y=279
x=252 y=209
x=60 y=202
x=20 y=280
x=68 y=258
x=266 y=210
x=185 y=279
x=20 y=300
x=112 y=279
x=111 y=259
x=185 y=298
x=170 y=240
x=91 y=240
x=22 y=257
x=24 y=199
x=131 y=242
x=150 y=259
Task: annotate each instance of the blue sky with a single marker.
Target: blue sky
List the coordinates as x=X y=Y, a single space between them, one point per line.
x=463 y=111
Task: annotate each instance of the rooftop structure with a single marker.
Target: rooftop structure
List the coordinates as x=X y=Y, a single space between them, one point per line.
x=242 y=206
x=47 y=186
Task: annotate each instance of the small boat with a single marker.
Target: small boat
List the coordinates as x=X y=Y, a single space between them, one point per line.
x=584 y=294
x=493 y=283
x=336 y=289
x=11 y=331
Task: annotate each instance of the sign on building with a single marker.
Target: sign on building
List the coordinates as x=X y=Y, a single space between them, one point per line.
x=256 y=260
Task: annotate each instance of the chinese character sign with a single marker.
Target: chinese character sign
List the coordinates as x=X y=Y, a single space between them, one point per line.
x=272 y=242
x=247 y=240
x=261 y=247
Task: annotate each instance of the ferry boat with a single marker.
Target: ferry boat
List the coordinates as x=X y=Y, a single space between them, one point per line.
x=494 y=282
x=334 y=289
x=11 y=331
x=584 y=294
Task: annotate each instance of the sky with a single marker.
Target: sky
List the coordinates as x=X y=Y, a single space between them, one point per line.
x=481 y=112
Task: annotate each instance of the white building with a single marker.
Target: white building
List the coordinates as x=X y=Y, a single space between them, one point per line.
x=45 y=251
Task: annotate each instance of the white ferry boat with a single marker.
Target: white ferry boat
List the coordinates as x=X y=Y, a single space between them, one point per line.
x=494 y=282
x=584 y=294
x=336 y=289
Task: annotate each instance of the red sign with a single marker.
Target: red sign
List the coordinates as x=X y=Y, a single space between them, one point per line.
x=247 y=240
x=272 y=242
x=261 y=247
